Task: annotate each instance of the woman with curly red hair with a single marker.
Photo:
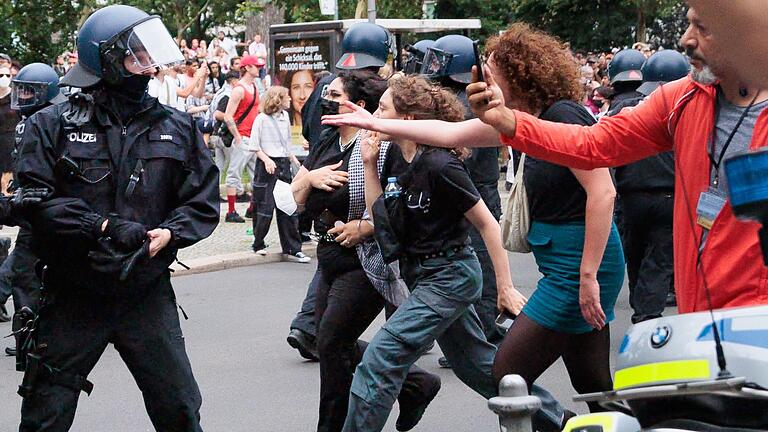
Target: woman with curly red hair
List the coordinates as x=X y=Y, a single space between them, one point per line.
x=572 y=236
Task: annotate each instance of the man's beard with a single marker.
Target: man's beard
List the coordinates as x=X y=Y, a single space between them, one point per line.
x=704 y=75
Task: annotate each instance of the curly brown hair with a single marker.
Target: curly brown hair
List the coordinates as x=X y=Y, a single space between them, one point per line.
x=413 y=95
x=538 y=66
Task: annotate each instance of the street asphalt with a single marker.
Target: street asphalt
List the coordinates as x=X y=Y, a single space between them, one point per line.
x=251 y=380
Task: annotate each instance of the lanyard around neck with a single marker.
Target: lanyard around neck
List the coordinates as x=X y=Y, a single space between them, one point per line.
x=716 y=163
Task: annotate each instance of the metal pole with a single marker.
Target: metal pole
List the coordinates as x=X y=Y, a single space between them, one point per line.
x=336 y=10
x=372 y=11
x=513 y=405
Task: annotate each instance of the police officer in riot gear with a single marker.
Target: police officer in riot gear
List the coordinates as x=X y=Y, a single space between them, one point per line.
x=646 y=189
x=35 y=87
x=415 y=58
x=131 y=184
x=365 y=46
x=626 y=75
x=449 y=61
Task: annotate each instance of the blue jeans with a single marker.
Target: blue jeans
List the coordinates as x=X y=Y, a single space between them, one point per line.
x=439 y=308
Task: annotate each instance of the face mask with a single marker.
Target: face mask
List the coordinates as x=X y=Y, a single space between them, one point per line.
x=329 y=107
x=598 y=103
x=131 y=88
x=5 y=81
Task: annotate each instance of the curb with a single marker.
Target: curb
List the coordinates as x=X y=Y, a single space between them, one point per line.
x=233 y=260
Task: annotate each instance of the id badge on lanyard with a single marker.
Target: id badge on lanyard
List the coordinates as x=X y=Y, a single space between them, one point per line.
x=710 y=204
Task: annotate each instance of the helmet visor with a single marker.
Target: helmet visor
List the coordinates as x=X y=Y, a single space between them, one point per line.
x=150 y=45
x=436 y=62
x=28 y=94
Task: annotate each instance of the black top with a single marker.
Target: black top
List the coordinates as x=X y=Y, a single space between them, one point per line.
x=328 y=207
x=437 y=191
x=652 y=174
x=554 y=193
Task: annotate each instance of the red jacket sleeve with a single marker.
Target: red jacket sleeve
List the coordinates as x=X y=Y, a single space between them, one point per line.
x=631 y=135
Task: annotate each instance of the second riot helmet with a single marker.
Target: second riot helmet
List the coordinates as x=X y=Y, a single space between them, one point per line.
x=365 y=45
x=451 y=56
x=626 y=66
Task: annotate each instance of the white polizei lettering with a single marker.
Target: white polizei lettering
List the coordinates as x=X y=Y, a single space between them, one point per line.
x=166 y=137
x=82 y=137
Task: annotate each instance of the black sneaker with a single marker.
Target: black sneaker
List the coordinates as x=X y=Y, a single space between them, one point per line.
x=304 y=343
x=234 y=217
x=249 y=213
x=412 y=410
x=10 y=352
x=244 y=197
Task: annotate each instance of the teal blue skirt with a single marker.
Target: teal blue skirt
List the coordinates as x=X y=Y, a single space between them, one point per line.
x=558 y=251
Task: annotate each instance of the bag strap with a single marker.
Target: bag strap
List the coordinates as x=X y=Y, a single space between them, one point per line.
x=279 y=134
x=520 y=167
x=250 y=107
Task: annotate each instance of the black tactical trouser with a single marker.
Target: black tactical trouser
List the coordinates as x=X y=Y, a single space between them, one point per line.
x=647 y=238
x=77 y=326
x=18 y=272
x=486 y=307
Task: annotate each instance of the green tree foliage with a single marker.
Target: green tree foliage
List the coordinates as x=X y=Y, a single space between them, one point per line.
x=309 y=10
x=37 y=30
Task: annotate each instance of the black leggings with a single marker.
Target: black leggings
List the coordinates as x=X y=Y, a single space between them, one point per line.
x=529 y=349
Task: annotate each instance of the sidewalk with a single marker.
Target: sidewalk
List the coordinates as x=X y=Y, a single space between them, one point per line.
x=230 y=246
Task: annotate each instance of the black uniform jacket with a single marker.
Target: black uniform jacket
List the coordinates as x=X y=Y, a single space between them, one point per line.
x=177 y=186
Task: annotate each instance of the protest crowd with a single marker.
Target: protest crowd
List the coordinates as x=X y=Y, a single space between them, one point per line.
x=410 y=184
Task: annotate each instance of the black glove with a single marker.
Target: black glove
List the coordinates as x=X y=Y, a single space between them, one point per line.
x=108 y=259
x=21 y=199
x=26 y=197
x=126 y=235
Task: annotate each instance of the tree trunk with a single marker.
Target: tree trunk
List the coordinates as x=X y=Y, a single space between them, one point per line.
x=640 y=33
x=361 y=11
x=259 y=22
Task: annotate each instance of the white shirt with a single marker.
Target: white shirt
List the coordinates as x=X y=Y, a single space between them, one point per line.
x=267 y=138
x=164 y=91
x=230 y=46
x=258 y=49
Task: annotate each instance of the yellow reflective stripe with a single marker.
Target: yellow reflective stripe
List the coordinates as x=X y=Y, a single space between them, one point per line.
x=598 y=419
x=658 y=372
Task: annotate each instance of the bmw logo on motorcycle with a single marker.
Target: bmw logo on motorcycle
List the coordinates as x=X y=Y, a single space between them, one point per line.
x=660 y=336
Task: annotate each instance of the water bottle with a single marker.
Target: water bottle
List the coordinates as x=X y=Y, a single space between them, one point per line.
x=393 y=189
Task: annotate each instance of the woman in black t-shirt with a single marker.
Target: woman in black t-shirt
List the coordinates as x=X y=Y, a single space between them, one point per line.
x=429 y=221
x=355 y=284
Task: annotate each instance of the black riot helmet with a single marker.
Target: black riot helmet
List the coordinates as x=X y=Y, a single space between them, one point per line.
x=34 y=87
x=451 y=56
x=117 y=35
x=662 y=67
x=626 y=66
x=365 y=45
x=416 y=53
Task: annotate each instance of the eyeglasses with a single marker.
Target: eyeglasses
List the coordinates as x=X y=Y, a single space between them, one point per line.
x=8 y=75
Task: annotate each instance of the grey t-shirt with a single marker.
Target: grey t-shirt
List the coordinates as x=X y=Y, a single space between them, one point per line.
x=727 y=116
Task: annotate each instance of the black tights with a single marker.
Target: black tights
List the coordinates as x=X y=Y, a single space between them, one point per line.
x=529 y=349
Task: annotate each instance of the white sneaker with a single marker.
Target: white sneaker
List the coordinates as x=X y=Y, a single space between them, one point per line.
x=298 y=257
x=261 y=252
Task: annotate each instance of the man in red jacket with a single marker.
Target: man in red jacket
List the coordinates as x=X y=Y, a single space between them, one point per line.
x=704 y=118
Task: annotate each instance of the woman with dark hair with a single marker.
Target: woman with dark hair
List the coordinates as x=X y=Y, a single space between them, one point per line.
x=355 y=284
x=572 y=236
x=426 y=227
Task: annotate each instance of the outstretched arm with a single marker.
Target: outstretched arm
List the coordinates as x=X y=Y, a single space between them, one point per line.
x=435 y=133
